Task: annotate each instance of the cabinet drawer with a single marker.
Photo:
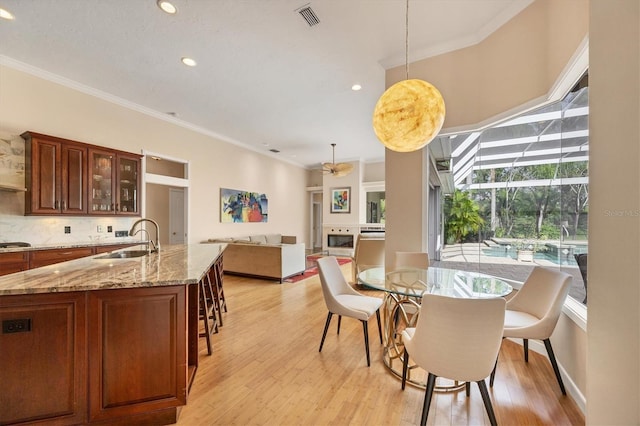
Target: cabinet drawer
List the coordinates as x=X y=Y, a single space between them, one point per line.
x=14 y=257
x=40 y=258
x=14 y=262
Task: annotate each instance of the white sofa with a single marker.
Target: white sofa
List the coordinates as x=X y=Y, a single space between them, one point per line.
x=271 y=256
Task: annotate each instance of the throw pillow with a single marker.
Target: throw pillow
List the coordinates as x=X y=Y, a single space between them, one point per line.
x=259 y=239
x=274 y=239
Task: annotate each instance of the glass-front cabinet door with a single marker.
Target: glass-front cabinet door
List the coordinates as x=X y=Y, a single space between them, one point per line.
x=101 y=182
x=114 y=183
x=128 y=184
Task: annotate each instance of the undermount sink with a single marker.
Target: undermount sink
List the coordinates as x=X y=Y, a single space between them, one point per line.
x=123 y=254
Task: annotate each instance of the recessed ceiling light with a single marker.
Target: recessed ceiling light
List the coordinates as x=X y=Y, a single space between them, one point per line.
x=356 y=87
x=189 y=62
x=5 y=14
x=167 y=6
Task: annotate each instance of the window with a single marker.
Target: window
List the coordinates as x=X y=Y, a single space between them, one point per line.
x=522 y=189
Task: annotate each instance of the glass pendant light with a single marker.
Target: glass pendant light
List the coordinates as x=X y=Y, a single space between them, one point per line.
x=410 y=113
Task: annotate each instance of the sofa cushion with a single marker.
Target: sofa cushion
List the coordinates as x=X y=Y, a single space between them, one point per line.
x=274 y=239
x=220 y=240
x=258 y=239
x=241 y=240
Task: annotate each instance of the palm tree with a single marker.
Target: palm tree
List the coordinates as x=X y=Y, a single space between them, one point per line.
x=462 y=216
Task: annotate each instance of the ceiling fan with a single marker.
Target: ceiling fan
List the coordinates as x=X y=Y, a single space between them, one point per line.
x=339 y=169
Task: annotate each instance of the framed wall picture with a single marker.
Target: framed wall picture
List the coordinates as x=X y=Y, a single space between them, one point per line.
x=242 y=206
x=341 y=200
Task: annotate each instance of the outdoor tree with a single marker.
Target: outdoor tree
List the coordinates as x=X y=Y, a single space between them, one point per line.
x=543 y=198
x=575 y=196
x=535 y=210
x=462 y=216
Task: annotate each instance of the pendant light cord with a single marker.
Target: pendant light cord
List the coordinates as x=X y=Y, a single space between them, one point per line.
x=406 y=43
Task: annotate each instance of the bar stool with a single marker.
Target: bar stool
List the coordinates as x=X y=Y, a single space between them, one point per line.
x=218 y=291
x=207 y=311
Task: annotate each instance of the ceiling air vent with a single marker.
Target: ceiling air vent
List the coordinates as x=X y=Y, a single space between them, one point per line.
x=309 y=15
x=275 y=151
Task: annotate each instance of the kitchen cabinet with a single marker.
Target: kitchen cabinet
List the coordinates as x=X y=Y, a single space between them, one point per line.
x=65 y=177
x=56 y=175
x=38 y=258
x=114 y=183
x=50 y=337
x=151 y=374
x=44 y=373
x=14 y=262
x=18 y=261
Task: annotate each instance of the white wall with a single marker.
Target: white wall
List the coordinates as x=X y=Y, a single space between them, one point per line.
x=32 y=103
x=613 y=361
x=514 y=65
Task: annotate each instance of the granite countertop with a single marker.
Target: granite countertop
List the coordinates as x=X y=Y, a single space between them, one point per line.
x=74 y=245
x=173 y=265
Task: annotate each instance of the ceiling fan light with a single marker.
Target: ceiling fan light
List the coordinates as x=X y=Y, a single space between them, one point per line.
x=336 y=169
x=342 y=169
x=408 y=115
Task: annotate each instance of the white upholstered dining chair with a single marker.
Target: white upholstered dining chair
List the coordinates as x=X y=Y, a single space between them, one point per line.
x=412 y=259
x=341 y=299
x=458 y=339
x=368 y=253
x=533 y=312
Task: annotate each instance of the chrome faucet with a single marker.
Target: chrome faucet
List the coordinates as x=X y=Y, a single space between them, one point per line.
x=150 y=241
x=156 y=244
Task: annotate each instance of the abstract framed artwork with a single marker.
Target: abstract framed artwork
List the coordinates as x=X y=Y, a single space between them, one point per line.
x=242 y=206
x=341 y=200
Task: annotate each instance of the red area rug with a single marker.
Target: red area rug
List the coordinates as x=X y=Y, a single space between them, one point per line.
x=313 y=270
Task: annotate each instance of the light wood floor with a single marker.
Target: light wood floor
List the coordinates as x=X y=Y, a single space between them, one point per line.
x=266 y=370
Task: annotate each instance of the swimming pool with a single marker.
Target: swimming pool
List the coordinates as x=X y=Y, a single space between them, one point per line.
x=563 y=256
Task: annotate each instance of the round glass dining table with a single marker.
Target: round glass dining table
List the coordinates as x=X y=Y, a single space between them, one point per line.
x=403 y=292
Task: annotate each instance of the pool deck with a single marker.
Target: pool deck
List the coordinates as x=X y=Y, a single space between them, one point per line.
x=469 y=257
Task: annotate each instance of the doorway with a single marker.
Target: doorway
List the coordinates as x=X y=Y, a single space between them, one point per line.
x=317 y=227
x=316 y=222
x=177 y=216
x=167 y=196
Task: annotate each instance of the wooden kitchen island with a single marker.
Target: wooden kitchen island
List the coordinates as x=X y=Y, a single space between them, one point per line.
x=102 y=340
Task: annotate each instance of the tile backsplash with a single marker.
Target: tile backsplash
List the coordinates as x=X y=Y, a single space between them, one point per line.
x=47 y=230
